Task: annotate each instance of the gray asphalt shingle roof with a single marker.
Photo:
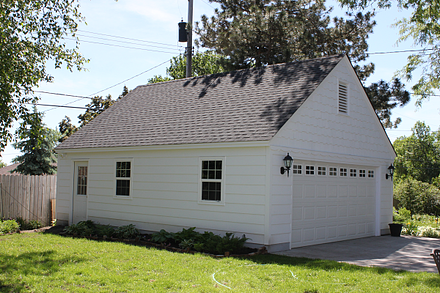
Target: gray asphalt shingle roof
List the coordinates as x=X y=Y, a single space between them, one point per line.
x=239 y=106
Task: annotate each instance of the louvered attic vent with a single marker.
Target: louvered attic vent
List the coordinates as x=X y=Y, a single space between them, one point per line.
x=343 y=98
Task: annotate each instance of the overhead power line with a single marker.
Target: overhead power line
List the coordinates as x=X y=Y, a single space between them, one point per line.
x=61 y=94
x=125 y=42
x=131 y=78
x=399 y=51
x=127 y=47
x=125 y=38
x=58 y=106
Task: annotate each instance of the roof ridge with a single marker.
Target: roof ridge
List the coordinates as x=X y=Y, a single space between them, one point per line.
x=238 y=70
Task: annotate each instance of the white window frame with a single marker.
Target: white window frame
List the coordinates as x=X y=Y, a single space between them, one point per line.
x=297 y=169
x=321 y=171
x=345 y=172
x=221 y=181
x=353 y=173
x=371 y=174
x=123 y=160
x=330 y=171
x=362 y=173
x=308 y=170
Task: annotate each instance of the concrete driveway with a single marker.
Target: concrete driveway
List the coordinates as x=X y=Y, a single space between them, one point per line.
x=399 y=253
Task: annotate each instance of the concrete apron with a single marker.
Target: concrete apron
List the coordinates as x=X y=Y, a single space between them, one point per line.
x=399 y=253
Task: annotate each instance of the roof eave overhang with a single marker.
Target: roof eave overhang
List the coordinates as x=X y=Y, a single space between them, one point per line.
x=166 y=147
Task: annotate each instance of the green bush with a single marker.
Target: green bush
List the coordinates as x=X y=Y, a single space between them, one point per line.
x=31 y=225
x=163 y=237
x=9 y=226
x=401 y=216
x=127 y=232
x=410 y=228
x=418 y=197
x=207 y=242
x=83 y=228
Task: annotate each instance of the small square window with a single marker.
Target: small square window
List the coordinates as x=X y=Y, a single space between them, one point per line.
x=353 y=173
x=322 y=171
x=362 y=173
x=370 y=174
x=310 y=170
x=343 y=172
x=297 y=169
x=333 y=171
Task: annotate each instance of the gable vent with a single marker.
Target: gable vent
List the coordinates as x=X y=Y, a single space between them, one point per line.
x=343 y=98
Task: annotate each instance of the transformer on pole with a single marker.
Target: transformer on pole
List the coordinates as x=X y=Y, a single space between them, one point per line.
x=185 y=35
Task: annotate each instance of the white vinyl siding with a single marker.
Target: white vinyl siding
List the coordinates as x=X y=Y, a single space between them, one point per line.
x=165 y=191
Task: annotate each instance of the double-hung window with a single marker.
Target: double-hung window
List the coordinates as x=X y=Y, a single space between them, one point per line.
x=123 y=178
x=212 y=180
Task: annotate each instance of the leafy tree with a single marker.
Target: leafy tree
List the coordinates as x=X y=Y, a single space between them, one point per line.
x=424 y=28
x=257 y=33
x=66 y=128
x=418 y=197
x=94 y=108
x=125 y=91
x=418 y=156
x=385 y=98
x=2 y=164
x=31 y=33
x=203 y=63
x=36 y=143
x=261 y=32
x=158 y=78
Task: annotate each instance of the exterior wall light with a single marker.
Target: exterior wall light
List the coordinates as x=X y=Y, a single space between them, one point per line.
x=287 y=164
x=390 y=172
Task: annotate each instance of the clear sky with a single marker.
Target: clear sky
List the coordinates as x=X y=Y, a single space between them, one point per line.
x=129 y=38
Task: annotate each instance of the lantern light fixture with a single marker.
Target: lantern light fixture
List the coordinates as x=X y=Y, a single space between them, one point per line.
x=390 y=172
x=287 y=161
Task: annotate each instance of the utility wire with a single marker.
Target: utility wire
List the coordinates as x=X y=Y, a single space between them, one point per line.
x=58 y=106
x=125 y=42
x=399 y=51
x=131 y=78
x=139 y=40
x=61 y=94
x=127 y=47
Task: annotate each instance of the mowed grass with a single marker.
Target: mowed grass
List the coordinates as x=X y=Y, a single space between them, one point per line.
x=50 y=263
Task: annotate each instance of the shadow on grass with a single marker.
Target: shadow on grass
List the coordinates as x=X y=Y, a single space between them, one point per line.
x=432 y=281
x=13 y=267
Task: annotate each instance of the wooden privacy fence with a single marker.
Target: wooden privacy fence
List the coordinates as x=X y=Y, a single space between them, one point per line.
x=28 y=197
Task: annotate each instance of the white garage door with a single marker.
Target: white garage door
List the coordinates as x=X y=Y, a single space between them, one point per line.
x=332 y=203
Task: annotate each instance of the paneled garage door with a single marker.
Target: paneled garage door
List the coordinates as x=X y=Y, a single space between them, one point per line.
x=332 y=203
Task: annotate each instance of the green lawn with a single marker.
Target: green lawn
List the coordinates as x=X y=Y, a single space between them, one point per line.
x=39 y=262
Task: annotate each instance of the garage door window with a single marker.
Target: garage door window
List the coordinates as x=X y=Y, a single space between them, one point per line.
x=322 y=171
x=297 y=169
x=353 y=172
x=333 y=171
x=343 y=172
x=370 y=174
x=362 y=173
x=310 y=170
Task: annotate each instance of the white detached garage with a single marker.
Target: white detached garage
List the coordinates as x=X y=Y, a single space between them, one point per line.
x=206 y=152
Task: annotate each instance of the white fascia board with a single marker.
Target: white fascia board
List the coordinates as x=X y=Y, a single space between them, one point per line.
x=168 y=147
